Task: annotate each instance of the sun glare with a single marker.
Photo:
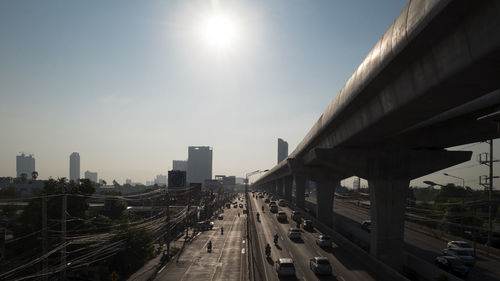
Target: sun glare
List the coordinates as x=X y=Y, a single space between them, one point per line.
x=219 y=32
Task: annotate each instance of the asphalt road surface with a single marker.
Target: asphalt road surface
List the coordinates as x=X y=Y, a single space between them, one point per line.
x=419 y=244
x=345 y=266
x=227 y=261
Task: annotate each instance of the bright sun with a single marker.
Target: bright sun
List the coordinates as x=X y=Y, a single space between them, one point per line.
x=219 y=32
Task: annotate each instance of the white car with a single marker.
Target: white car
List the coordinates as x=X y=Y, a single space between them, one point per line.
x=324 y=241
x=320 y=265
x=285 y=267
x=462 y=245
x=294 y=233
x=464 y=255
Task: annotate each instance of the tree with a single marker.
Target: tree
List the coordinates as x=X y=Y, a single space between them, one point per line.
x=136 y=251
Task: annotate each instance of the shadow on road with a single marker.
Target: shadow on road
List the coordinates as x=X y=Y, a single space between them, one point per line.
x=298 y=240
x=288 y=278
x=278 y=247
x=270 y=260
x=327 y=277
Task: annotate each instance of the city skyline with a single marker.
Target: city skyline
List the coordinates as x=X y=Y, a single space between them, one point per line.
x=173 y=89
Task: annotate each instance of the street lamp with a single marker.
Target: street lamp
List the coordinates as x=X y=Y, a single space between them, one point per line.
x=251 y=174
x=463 y=198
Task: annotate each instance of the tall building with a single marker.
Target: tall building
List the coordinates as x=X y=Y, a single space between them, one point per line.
x=74 y=167
x=128 y=181
x=199 y=164
x=282 y=150
x=92 y=176
x=179 y=165
x=25 y=164
x=161 y=180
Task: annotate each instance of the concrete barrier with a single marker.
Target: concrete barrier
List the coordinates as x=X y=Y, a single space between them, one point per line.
x=427 y=270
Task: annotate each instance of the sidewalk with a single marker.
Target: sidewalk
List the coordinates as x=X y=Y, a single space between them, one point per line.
x=148 y=271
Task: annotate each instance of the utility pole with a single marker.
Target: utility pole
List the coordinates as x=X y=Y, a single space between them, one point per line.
x=63 y=231
x=489 y=194
x=187 y=214
x=168 y=222
x=44 y=236
x=487 y=182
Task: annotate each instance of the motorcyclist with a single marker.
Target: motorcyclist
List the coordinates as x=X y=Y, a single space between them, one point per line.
x=209 y=246
x=238 y=215
x=276 y=238
x=262 y=208
x=221 y=230
x=268 y=250
x=258 y=216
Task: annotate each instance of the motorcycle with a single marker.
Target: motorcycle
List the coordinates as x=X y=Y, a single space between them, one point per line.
x=222 y=231
x=276 y=239
x=268 y=250
x=209 y=247
x=262 y=208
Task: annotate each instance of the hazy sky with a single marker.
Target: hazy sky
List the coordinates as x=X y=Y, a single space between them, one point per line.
x=131 y=84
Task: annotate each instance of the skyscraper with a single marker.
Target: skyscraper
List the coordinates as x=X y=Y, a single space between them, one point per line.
x=25 y=164
x=199 y=164
x=282 y=150
x=179 y=165
x=74 y=167
x=92 y=176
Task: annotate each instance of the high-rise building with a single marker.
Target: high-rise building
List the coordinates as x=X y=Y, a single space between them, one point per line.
x=128 y=181
x=92 y=176
x=161 y=180
x=74 y=167
x=282 y=150
x=199 y=164
x=179 y=165
x=25 y=164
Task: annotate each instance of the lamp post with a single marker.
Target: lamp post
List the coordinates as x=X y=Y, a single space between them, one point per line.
x=463 y=198
x=249 y=175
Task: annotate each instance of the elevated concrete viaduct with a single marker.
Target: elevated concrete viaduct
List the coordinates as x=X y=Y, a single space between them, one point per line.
x=421 y=89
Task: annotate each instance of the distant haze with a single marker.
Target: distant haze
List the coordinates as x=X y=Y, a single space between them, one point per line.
x=129 y=85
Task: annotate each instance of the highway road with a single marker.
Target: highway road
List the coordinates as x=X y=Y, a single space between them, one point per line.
x=227 y=261
x=416 y=243
x=345 y=266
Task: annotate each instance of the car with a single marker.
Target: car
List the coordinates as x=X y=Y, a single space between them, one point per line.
x=282 y=203
x=294 y=233
x=261 y=196
x=452 y=264
x=461 y=245
x=281 y=216
x=205 y=225
x=320 y=266
x=464 y=255
x=296 y=216
x=267 y=200
x=366 y=225
x=306 y=194
x=271 y=203
x=285 y=267
x=273 y=209
x=324 y=241
x=228 y=205
x=308 y=225
x=235 y=206
x=220 y=217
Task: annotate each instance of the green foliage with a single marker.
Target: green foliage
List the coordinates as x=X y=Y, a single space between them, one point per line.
x=10 y=191
x=114 y=207
x=136 y=251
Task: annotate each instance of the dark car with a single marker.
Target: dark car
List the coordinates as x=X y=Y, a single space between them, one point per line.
x=452 y=264
x=366 y=225
x=308 y=225
x=205 y=225
x=267 y=200
x=296 y=216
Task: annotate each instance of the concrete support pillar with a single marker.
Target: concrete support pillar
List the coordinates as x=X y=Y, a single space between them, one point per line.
x=300 y=189
x=388 y=201
x=287 y=184
x=279 y=187
x=325 y=190
x=388 y=180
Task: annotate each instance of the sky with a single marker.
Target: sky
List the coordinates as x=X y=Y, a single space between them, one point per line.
x=129 y=85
